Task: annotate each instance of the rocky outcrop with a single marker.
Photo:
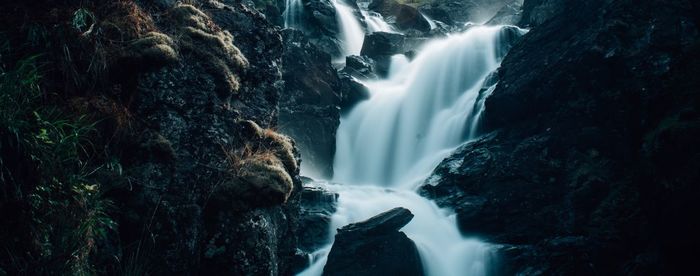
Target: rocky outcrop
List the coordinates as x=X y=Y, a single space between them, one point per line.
x=402 y=16
x=309 y=108
x=313 y=97
x=375 y=247
x=584 y=173
x=201 y=182
x=231 y=189
x=353 y=92
x=536 y=12
x=360 y=67
x=377 y=49
x=319 y=22
x=509 y=14
x=458 y=12
x=383 y=44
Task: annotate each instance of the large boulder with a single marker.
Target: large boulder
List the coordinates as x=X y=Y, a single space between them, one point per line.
x=375 y=247
x=383 y=44
x=379 y=47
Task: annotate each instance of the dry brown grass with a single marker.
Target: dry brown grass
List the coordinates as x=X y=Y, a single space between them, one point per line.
x=198 y=34
x=263 y=167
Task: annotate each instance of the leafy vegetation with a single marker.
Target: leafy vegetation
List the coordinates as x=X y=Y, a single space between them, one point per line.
x=50 y=166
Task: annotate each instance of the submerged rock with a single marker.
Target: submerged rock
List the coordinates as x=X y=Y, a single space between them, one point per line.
x=375 y=247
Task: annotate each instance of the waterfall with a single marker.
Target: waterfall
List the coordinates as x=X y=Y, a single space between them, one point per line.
x=292 y=14
x=400 y=134
x=387 y=145
x=431 y=22
x=376 y=23
x=416 y=117
x=351 y=33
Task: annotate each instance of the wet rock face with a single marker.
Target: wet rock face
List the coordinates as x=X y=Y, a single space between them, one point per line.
x=312 y=100
x=574 y=167
x=309 y=110
x=319 y=22
x=360 y=67
x=375 y=247
x=318 y=205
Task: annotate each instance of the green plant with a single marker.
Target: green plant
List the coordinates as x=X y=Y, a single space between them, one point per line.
x=68 y=211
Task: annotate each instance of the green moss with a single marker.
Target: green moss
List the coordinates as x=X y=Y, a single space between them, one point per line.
x=189 y=15
x=214 y=48
x=154 y=49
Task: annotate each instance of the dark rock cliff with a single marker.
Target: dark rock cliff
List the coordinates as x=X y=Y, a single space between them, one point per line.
x=199 y=217
x=593 y=164
x=189 y=95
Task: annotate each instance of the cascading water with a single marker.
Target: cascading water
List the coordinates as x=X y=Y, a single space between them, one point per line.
x=292 y=14
x=375 y=22
x=414 y=119
x=351 y=33
x=397 y=136
x=431 y=22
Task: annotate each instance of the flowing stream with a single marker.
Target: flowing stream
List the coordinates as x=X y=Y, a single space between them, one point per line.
x=388 y=144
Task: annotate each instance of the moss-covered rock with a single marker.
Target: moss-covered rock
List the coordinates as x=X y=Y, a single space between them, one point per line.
x=199 y=35
x=262 y=171
x=263 y=179
x=153 y=50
